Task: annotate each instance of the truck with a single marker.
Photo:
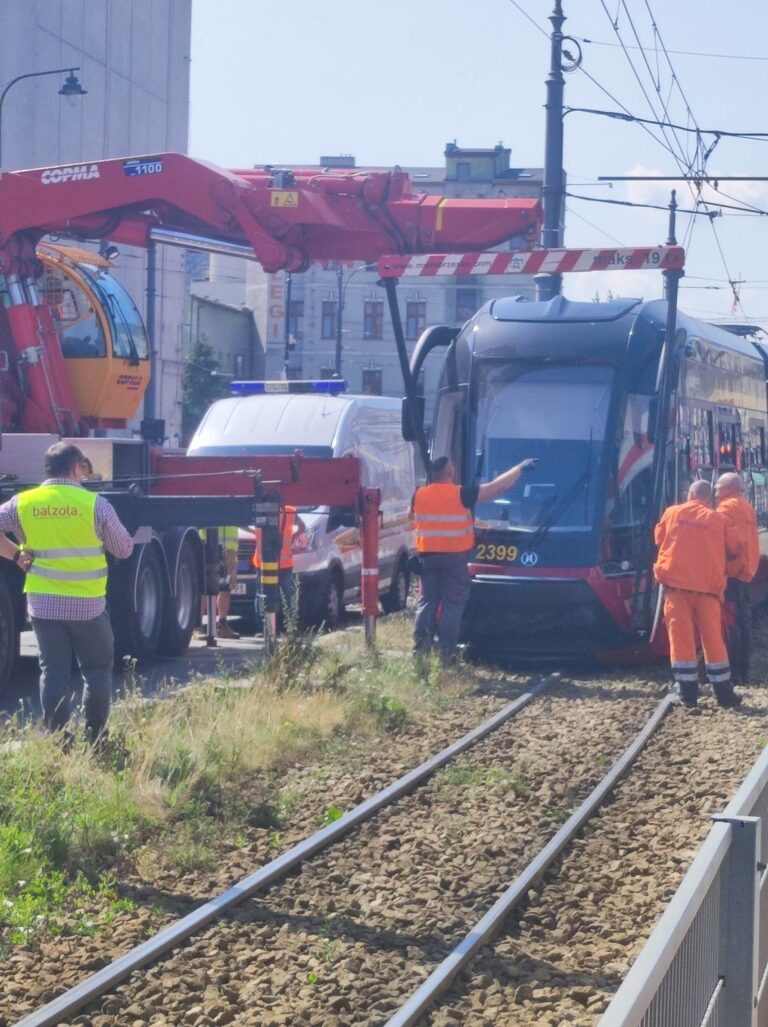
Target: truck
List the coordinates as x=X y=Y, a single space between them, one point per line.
x=75 y=357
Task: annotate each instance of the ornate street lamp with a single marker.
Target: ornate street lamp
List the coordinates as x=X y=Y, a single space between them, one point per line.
x=71 y=89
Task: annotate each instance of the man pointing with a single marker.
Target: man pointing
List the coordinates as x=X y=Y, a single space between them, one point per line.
x=445 y=537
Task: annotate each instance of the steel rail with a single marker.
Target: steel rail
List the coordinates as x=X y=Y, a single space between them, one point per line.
x=484 y=930
x=104 y=980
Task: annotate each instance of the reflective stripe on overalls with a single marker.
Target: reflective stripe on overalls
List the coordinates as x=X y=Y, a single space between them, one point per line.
x=58 y=522
x=443 y=523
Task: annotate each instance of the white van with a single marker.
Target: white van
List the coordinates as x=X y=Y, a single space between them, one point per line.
x=327 y=555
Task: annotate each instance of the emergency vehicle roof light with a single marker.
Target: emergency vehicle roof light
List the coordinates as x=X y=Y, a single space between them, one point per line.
x=327 y=387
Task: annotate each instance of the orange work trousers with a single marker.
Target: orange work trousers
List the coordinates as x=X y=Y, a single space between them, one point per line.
x=685 y=613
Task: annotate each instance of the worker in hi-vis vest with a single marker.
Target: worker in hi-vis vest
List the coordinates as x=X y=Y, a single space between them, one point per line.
x=693 y=541
x=445 y=537
x=289 y=524
x=63 y=531
x=228 y=540
x=740 y=568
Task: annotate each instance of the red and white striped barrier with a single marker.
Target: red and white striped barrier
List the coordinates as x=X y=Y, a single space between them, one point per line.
x=430 y=265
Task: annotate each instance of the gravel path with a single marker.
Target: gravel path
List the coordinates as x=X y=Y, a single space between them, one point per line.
x=562 y=959
x=346 y=939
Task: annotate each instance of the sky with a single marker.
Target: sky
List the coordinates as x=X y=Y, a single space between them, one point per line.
x=393 y=81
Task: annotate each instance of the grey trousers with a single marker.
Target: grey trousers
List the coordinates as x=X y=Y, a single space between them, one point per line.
x=92 y=642
x=443 y=594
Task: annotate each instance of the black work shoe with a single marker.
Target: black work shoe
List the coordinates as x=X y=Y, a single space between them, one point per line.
x=687 y=695
x=729 y=701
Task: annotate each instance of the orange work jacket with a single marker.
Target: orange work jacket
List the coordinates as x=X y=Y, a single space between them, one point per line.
x=692 y=540
x=744 y=553
x=287 y=522
x=443 y=523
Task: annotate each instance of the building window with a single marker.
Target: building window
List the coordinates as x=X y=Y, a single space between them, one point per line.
x=415 y=318
x=296 y=319
x=462 y=171
x=371 y=381
x=373 y=319
x=326 y=372
x=466 y=304
x=328 y=326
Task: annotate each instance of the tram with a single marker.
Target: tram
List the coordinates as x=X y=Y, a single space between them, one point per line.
x=562 y=564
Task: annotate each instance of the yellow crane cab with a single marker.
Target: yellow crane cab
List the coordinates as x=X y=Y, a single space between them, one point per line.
x=103 y=339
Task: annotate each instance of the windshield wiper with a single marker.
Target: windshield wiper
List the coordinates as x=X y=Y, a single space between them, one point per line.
x=558 y=511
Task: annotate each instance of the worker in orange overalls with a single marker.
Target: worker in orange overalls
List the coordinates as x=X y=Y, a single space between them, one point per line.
x=741 y=567
x=692 y=539
x=288 y=523
x=445 y=538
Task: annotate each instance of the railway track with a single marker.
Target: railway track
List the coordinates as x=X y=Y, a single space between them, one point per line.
x=396 y=892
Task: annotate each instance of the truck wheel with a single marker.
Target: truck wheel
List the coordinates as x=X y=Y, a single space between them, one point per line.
x=136 y=604
x=8 y=635
x=396 y=596
x=182 y=610
x=332 y=609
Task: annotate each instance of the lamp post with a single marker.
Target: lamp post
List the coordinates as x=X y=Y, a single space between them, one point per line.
x=341 y=292
x=70 y=88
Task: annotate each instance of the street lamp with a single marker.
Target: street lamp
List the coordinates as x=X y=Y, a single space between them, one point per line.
x=341 y=292
x=70 y=89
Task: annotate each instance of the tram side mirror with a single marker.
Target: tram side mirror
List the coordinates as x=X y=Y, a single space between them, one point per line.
x=412 y=418
x=653 y=413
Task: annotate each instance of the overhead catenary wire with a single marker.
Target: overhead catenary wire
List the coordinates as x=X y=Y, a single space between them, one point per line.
x=597 y=228
x=688 y=161
x=681 y=53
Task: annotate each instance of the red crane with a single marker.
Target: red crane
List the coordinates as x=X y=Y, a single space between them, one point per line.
x=285 y=218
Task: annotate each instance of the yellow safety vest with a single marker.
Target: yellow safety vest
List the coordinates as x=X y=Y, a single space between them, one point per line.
x=443 y=523
x=228 y=538
x=58 y=522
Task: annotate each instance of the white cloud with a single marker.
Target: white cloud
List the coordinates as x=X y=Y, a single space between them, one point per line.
x=659 y=192
x=637 y=284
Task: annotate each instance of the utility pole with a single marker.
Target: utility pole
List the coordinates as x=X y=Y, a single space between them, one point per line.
x=548 y=286
x=287 y=370
x=339 y=314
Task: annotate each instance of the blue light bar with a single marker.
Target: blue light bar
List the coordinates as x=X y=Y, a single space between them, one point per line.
x=327 y=387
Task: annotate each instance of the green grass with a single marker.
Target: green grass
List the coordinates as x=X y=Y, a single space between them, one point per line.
x=188 y=774
x=463 y=775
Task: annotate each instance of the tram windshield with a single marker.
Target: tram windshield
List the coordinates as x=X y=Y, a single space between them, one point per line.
x=557 y=414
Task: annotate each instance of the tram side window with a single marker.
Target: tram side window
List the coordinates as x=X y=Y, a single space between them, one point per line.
x=729 y=444
x=702 y=440
x=630 y=490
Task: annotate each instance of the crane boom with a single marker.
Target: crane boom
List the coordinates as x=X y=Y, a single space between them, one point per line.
x=289 y=217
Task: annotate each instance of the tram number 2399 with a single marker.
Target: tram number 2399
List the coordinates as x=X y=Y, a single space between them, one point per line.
x=496 y=553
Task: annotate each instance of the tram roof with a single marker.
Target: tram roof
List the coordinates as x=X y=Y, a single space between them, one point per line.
x=560 y=310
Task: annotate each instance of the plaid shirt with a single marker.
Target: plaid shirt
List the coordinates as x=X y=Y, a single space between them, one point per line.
x=109 y=529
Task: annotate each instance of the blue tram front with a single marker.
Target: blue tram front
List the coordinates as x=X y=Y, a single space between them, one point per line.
x=561 y=562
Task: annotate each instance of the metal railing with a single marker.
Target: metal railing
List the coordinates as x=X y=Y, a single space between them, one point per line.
x=706 y=962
